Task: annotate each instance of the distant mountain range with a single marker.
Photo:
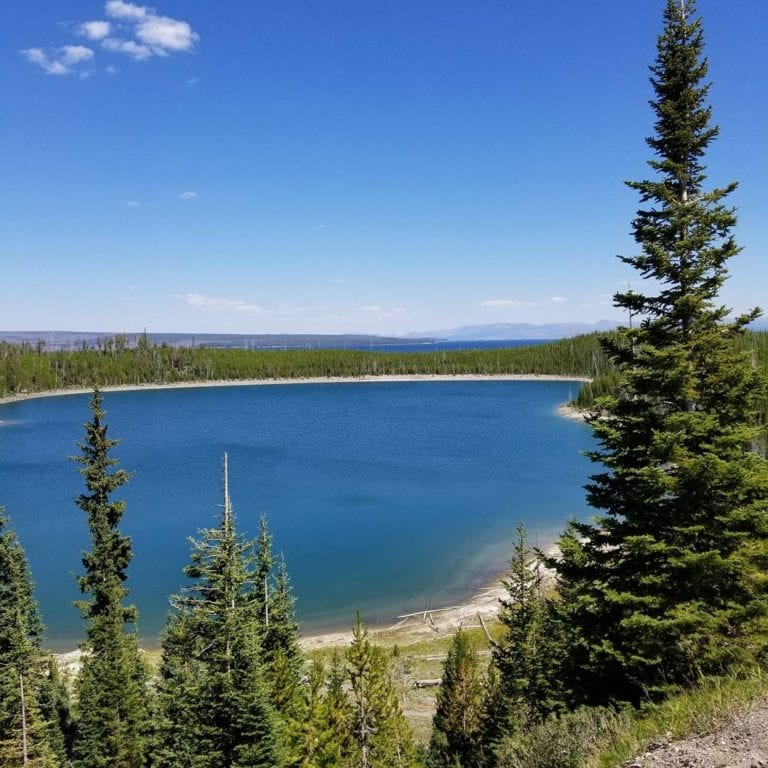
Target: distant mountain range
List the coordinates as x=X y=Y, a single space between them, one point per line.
x=509 y=331
x=494 y=332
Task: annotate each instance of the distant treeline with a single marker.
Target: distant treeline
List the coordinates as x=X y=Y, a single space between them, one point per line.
x=28 y=368
x=113 y=362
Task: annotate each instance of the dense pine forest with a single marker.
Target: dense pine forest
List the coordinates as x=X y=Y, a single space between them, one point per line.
x=24 y=368
x=660 y=598
x=31 y=369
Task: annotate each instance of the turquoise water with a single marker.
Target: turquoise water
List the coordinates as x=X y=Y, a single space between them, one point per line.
x=381 y=495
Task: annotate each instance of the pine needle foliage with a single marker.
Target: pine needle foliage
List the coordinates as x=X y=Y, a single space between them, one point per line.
x=669 y=582
x=30 y=723
x=112 y=715
x=214 y=702
x=381 y=737
x=457 y=724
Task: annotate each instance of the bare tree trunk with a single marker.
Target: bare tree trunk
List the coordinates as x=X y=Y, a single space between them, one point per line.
x=24 y=756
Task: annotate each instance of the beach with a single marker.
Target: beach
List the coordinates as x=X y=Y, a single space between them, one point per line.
x=274 y=382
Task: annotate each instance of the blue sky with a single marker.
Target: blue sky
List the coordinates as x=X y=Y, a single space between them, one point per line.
x=335 y=166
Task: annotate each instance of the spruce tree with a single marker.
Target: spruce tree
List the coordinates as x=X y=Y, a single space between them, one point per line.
x=457 y=724
x=112 y=713
x=213 y=697
x=273 y=604
x=523 y=659
x=30 y=722
x=669 y=582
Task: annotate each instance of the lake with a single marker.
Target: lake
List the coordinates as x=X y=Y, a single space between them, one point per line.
x=382 y=496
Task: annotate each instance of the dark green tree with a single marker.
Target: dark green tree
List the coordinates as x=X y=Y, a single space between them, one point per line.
x=273 y=604
x=214 y=708
x=523 y=659
x=30 y=722
x=112 y=713
x=669 y=582
x=457 y=724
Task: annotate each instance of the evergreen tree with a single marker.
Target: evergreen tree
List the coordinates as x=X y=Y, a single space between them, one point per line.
x=523 y=658
x=214 y=703
x=282 y=655
x=335 y=718
x=456 y=727
x=670 y=581
x=381 y=737
x=30 y=723
x=263 y=573
x=112 y=684
x=273 y=608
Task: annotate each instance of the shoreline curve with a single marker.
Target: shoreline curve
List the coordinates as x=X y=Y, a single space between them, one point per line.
x=384 y=379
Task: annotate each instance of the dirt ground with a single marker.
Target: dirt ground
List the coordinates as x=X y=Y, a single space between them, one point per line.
x=741 y=742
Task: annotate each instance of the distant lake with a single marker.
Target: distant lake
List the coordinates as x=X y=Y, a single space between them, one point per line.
x=381 y=495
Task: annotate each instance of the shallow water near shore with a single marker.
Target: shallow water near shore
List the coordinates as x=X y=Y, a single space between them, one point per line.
x=384 y=498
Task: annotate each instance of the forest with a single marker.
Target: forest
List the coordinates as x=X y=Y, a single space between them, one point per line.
x=660 y=598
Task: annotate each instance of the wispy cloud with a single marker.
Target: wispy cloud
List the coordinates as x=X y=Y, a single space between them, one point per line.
x=226 y=305
x=517 y=304
x=59 y=61
x=129 y=47
x=137 y=31
x=219 y=304
x=188 y=195
x=374 y=310
x=132 y=204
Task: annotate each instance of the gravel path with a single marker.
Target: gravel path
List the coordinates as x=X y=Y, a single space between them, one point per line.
x=742 y=742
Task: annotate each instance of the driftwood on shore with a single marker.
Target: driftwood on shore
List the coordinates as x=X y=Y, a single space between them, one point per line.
x=428 y=612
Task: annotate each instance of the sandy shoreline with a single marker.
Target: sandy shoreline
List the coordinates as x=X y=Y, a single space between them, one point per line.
x=273 y=382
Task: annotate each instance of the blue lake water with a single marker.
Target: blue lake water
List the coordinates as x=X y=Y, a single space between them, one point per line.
x=381 y=495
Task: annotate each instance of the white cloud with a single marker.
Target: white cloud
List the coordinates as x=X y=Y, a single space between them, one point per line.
x=59 y=61
x=189 y=195
x=557 y=300
x=374 y=310
x=218 y=304
x=506 y=304
x=117 y=9
x=155 y=35
x=95 y=30
x=137 y=31
x=129 y=47
x=132 y=204
x=165 y=34
x=110 y=70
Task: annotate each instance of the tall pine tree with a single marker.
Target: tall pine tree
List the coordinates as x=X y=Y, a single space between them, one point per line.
x=457 y=726
x=214 y=700
x=112 y=715
x=30 y=724
x=670 y=580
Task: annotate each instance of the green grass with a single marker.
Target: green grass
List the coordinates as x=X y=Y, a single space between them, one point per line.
x=698 y=710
